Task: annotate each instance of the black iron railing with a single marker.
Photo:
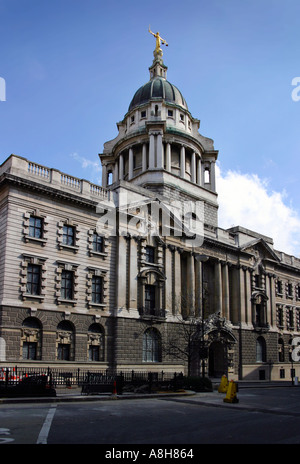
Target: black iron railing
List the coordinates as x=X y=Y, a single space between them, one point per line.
x=78 y=377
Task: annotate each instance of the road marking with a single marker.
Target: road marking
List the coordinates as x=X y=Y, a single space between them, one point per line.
x=5 y=432
x=43 y=436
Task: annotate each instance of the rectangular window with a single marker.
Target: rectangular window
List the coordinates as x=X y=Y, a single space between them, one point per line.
x=291 y=318
x=63 y=352
x=94 y=351
x=280 y=317
x=150 y=254
x=279 y=287
x=67 y=278
x=29 y=350
x=33 y=279
x=150 y=297
x=68 y=237
x=290 y=290
x=257 y=281
x=98 y=243
x=97 y=289
x=35 y=227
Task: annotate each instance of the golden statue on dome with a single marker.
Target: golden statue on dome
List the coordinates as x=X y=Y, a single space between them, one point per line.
x=158 y=51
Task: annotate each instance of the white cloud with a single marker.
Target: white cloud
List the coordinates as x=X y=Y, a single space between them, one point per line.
x=93 y=166
x=244 y=200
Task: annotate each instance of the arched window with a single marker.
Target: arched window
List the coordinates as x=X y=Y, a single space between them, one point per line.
x=31 y=338
x=65 y=341
x=261 y=350
x=95 y=342
x=151 y=345
x=280 y=350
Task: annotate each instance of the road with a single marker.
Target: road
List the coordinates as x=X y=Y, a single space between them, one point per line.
x=262 y=416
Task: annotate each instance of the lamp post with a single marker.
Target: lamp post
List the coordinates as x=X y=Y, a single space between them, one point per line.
x=202 y=259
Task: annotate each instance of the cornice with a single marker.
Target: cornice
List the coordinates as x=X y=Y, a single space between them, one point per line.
x=26 y=183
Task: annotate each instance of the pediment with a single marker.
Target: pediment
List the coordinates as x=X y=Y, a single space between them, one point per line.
x=260 y=250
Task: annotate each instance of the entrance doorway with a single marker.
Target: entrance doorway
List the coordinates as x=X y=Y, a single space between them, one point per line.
x=217 y=356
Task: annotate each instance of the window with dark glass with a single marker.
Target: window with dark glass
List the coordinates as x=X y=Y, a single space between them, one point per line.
x=98 y=243
x=96 y=347
x=150 y=297
x=290 y=290
x=151 y=346
x=29 y=350
x=35 y=227
x=68 y=237
x=257 y=281
x=260 y=350
x=280 y=317
x=279 y=286
x=150 y=254
x=63 y=352
x=67 y=285
x=94 y=353
x=97 y=289
x=258 y=314
x=33 y=279
x=291 y=317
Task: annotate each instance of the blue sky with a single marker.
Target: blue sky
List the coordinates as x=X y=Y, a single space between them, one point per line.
x=71 y=68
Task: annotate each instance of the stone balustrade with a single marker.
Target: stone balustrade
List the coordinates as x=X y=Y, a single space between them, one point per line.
x=21 y=167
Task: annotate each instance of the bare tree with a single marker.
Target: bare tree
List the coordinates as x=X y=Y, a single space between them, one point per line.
x=183 y=340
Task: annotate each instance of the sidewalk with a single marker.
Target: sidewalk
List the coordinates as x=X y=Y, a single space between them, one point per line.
x=206 y=398
x=74 y=394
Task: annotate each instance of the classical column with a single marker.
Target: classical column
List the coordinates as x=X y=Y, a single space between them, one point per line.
x=190 y=285
x=104 y=175
x=168 y=157
x=273 y=300
x=121 y=166
x=235 y=303
x=177 y=282
x=193 y=167
x=116 y=172
x=248 y=302
x=169 y=280
x=121 y=273
x=144 y=157
x=212 y=176
x=130 y=164
x=159 y=151
x=225 y=286
x=218 y=287
x=270 y=291
x=198 y=288
x=182 y=162
x=242 y=315
x=133 y=272
x=151 y=151
x=199 y=171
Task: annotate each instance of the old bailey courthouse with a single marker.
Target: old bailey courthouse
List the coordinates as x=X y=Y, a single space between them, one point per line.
x=135 y=273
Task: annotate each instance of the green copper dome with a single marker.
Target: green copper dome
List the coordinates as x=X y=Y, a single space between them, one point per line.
x=158 y=88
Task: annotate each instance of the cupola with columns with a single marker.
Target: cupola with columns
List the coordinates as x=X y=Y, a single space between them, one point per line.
x=159 y=146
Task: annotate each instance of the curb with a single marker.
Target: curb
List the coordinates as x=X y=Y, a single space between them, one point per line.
x=77 y=398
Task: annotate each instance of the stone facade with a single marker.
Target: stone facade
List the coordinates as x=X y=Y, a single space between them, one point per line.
x=136 y=274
